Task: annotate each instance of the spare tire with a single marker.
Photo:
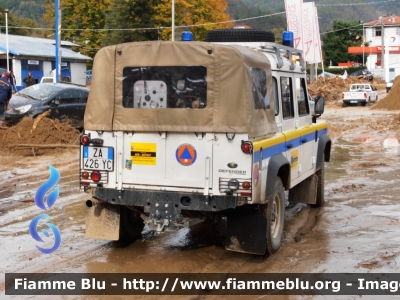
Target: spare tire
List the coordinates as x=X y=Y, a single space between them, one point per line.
x=240 y=35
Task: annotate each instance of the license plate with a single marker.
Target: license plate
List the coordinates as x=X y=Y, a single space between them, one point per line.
x=98 y=158
x=353 y=101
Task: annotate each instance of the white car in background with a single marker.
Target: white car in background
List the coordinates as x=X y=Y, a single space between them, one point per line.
x=389 y=85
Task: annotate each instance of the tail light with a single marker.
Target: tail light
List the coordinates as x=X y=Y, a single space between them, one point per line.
x=85 y=175
x=246 y=185
x=95 y=176
x=243 y=194
x=85 y=140
x=342 y=95
x=247 y=147
x=365 y=95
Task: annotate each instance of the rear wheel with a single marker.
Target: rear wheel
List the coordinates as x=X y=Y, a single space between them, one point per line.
x=131 y=225
x=275 y=214
x=240 y=35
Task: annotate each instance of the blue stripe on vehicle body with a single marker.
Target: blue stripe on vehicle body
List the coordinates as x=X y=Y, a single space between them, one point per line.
x=280 y=147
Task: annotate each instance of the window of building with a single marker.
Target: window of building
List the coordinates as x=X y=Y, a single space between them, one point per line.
x=378 y=32
x=31 y=65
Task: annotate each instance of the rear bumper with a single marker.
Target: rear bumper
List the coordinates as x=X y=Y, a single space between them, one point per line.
x=176 y=201
x=355 y=101
x=162 y=209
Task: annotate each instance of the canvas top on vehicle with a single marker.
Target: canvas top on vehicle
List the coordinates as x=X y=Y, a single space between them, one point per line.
x=223 y=108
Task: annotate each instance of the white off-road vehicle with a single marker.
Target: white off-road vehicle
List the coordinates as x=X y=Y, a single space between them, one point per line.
x=178 y=133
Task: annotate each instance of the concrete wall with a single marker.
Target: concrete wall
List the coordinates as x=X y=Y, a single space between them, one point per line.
x=78 y=75
x=17 y=72
x=46 y=68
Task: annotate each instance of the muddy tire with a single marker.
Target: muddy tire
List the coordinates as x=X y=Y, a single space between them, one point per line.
x=320 y=185
x=131 y=226
x=275 y=214
x=344 y=104
x=240 y=35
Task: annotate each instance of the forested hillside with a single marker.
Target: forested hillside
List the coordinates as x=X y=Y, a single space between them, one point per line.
x=32 y=9
x=328 y=11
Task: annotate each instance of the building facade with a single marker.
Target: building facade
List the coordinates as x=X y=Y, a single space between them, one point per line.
x=37 y=56
x=381 y=34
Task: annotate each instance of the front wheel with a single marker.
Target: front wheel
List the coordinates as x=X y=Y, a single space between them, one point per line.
x=275 y=214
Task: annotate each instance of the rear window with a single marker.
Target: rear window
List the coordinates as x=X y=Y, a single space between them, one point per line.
x=165 y=87
x=260 y=96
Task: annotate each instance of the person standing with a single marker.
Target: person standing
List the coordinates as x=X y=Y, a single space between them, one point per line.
x=13 y=81
x=29 y=80
x=5 y=93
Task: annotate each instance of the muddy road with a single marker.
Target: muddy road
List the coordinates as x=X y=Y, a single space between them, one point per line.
x=358 y=230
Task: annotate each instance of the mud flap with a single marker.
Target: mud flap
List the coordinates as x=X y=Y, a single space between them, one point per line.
x=102 y=220
x=246 y=230
x=305 y=191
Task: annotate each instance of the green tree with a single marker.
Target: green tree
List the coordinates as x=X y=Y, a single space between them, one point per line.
x=134 y=15
x=336 y=42
x=193 y=12
x=82 y=21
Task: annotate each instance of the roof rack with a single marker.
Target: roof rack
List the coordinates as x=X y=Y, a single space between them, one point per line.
x=281 y=50
x=278 y=49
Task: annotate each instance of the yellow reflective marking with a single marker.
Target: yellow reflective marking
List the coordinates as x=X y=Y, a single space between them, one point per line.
x=290 y=134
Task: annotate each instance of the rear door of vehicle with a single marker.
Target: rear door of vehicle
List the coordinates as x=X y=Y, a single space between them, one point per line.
x=167 y=159
x=173 y=158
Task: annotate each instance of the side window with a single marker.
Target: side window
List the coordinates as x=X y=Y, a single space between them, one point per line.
x=276 y=95
x=85 y=97
x=287 y=97
x=260 y=95
x=69 y=97
x=301 y=95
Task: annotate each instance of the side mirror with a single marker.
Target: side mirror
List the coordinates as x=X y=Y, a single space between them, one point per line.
x=319 y=105
x=56 y=102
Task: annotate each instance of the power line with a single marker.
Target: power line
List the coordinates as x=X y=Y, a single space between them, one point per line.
x=198 y=25
x=354 y=4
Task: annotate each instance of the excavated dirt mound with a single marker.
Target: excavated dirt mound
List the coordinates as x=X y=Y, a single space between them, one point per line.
x=392 y=100
x=331 y=88
x=46 y=132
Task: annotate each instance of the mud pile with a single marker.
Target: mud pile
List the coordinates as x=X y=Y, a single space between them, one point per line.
x=331 y=88
x=37 y=134
x=392 y=100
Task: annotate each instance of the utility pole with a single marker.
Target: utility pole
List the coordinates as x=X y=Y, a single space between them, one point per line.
x=173 y=20
x=58 y=40
x=383 y=41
